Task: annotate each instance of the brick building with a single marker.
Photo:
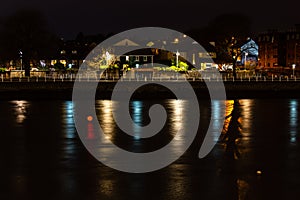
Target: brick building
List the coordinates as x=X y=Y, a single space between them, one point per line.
x=279 y=48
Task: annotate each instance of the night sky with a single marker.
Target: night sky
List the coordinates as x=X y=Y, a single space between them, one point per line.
x=69 y=17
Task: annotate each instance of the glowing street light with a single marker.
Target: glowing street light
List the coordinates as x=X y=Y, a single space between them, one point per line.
x=295 y=53
x=246 y=54
x=108 y=57
x=293 y=66
x=177 y=55
x=21 y=55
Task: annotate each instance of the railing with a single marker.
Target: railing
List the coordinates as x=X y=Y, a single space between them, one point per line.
x=96 y=77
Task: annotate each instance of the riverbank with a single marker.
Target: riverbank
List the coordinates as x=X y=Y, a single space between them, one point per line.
x=63 y=90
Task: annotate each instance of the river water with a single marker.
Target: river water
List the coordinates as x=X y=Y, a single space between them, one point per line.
x=256 y=157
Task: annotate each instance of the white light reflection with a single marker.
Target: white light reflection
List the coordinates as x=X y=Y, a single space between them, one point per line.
x=293 y=105
x=137 y=117
x=68 y=130
x=20 y=110
x=104 y=110
x=177 y=111
x=217 y=118
x=176 y=116
x=68 y=120
x=246 y=117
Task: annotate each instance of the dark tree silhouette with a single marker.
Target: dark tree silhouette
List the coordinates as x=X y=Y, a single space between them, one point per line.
x=229 y=32
x=26 y=31
x=232 y=131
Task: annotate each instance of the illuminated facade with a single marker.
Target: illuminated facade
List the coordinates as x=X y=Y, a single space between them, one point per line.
x=279 y=48
x=249 y=56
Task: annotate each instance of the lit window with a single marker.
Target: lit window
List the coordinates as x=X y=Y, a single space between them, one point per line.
x=74 y=52
x=64 y=62
x=62 y=52
x=53 y=62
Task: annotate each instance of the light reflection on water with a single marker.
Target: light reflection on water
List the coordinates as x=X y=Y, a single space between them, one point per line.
x=246 y=118
x=60 y=166
x=293 y=106
x=176 y=109
x=217 y=117
x=20 y=109
x=137 y=117
x=139 y=113
x=68 y=120
x=104 y=109
x=246 y=130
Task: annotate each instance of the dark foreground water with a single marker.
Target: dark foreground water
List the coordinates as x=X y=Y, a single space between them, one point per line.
x=257 y=156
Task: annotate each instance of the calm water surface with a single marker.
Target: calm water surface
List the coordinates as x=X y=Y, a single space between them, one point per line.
x=256 y=157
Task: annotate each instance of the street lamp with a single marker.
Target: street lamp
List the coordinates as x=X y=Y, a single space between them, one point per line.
x=108 y=57
x=21 y=55
x=177 y=55
x=293 y=66
x=246 y=54
x=295 y=53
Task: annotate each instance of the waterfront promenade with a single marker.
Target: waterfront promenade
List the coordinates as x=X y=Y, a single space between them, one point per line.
x=42 y=88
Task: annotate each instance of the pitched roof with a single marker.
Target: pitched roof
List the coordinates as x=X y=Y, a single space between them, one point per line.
x=126 y=42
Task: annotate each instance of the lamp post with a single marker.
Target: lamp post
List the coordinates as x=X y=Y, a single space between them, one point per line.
x=21 y=61
x=295 y=53
x=246 y=54
x=177 y=55
x=108 y=57
x=293 y=66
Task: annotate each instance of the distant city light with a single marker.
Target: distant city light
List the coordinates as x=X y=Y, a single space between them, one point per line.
x=258 y=172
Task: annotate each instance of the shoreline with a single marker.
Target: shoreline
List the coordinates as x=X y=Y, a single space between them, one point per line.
x=63 y=90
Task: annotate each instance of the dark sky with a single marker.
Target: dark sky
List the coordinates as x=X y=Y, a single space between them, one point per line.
x=68 y=17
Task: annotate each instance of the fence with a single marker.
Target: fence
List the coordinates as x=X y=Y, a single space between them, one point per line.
x=97 y=77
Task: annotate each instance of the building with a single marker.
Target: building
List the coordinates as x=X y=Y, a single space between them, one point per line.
x=279 y=49
x=249 y=56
